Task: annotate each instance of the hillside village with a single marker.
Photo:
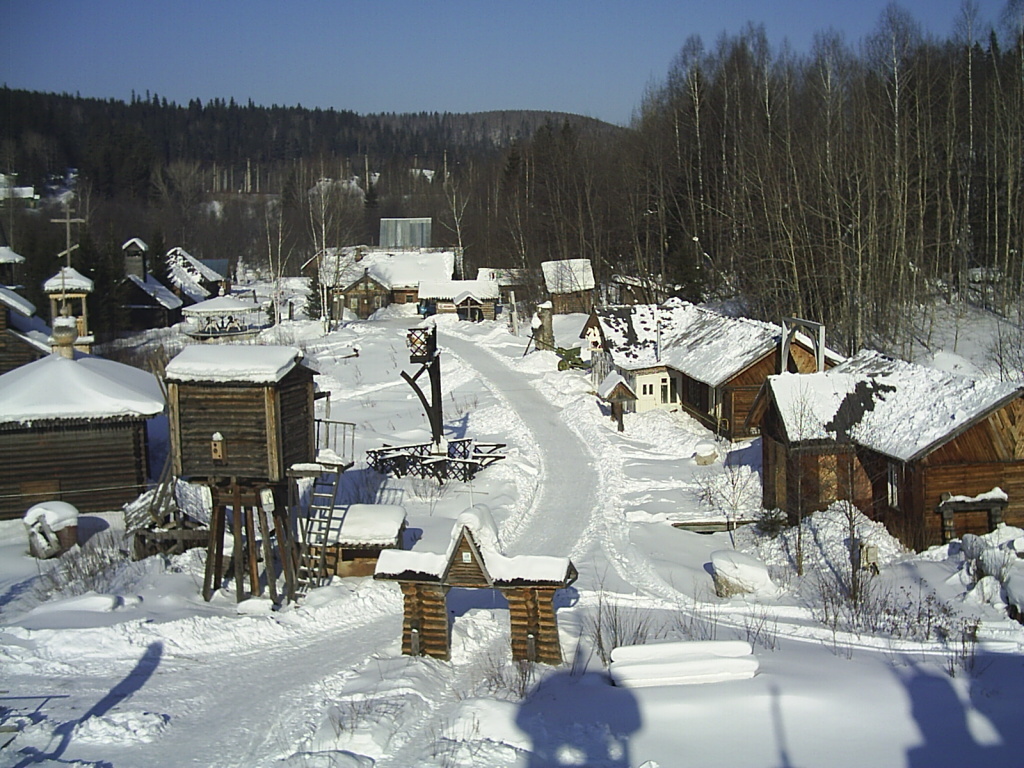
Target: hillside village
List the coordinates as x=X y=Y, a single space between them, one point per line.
x=398 y=515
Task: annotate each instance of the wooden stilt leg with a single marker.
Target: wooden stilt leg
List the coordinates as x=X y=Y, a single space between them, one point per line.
x=250 y=546
x=214 y=553
x=238 y=555
x=285 y=546
x=268 y=555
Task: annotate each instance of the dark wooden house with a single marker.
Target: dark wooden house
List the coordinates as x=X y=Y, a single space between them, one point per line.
x=240 y=411
x=75 y=431
x=473 y=561
x=23 y=336
x=570 y=285
x=931 y=454
x=470 y=299
x=678 y=356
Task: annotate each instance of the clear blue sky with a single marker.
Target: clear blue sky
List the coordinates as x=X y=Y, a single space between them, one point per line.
x=591 y=57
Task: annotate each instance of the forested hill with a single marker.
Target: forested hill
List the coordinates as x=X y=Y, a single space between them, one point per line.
x=117 y=144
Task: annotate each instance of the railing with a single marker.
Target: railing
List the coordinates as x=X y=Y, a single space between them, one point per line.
x=338 y=436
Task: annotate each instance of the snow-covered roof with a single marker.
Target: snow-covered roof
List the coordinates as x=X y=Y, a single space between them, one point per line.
x=138 y=242
x=68 y=279
x=506 y=277
x=370 y=525
x=157 y=290
x=478 y=523
x=222 y=305
x=8 y=256
x=611 y=381
x=391 y=268
x=188 y=274
x=890 y=406
x=568 y=275
x=18 y=303
x=458 y=290
x=56 y=388
x=703 y=344
x=255 y=364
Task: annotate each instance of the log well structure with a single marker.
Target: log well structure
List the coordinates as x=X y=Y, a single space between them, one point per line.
x=473 y=560
x=240 y=417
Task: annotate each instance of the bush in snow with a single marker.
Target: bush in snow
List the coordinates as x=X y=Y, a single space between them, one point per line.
x=972 y=548
x=610 y=625
x=771 y=522
x=997 y=563
x=85 y=568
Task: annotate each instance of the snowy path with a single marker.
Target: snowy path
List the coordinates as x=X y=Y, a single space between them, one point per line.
x=566 y=498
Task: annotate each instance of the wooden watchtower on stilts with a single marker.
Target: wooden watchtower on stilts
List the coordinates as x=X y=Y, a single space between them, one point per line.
x=241 y=416
x=473 y=560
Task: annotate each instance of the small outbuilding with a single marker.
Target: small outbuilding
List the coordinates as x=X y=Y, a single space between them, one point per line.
x=358 y=536
x=470 y=299
x=74 y=430
x=473 y=560
x=570 y=285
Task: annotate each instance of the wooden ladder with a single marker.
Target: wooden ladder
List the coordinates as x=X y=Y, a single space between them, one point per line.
x=312 y=570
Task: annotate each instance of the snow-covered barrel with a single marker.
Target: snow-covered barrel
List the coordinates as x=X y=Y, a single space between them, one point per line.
x=52 y=528
x=705 y=453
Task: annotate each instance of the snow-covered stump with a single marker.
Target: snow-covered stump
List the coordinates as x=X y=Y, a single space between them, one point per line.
x=52 y=528
x=705 y=454
x=735 y=573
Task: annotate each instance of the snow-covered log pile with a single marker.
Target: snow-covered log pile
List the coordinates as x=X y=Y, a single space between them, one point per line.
x=683 y=663
x=736 y=573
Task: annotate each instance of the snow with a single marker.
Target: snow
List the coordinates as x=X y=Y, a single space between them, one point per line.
x=161 y=677
x=742 y=573
x=222 y=305
x=458 y=290
x=68 y=279
x=610 y=382
x=8 y=256
x=898 y=409
x=138 y=242
x=368 y=525
x=255 y=364
x=568 y=275
x=157 y=290
x=19 y=304
x=54 y=388
x=392 y=268
x=57 y=515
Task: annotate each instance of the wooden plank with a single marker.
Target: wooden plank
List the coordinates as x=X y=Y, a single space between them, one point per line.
x=268 y=554
x=237 y=552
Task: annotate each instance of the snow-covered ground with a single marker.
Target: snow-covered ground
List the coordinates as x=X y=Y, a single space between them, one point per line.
x=120 y=663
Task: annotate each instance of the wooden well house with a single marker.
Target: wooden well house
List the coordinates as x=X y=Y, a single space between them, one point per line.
x=241 y=416
x=74 y=431
x=357 y=536
x=932 y=455
x=473 y=560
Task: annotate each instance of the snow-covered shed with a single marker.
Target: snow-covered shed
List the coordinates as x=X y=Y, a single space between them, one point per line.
x=150 y=303
x=678 y=356
x=361 y=532
x=363 y=279
x=570 y=285
x=9 y=260
x=473 y=559
x=894 y=438
x=74 y=430
x=243 y=411
x=471 y=299
x=521 y=282
x=23 y=336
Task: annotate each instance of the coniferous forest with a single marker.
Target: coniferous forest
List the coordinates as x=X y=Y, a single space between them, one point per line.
x=851 y=184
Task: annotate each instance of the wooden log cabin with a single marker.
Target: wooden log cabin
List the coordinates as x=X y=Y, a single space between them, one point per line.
x=242 y=411
x=570 y=285
x=678 y=356
x=361 y=533
x=74 y=431
x=473 y=560
x=470 y=299
x=931 y=454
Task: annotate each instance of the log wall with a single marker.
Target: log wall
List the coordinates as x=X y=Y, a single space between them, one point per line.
x=532 y=612
x=97 y=467
x=425 y=626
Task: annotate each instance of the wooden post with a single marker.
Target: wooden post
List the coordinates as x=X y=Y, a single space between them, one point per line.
x=237 y=554
x=268 y=555
x=250 y=546
x=214 y=552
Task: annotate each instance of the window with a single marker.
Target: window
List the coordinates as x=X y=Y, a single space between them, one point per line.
x=894 y=484
x=648 y=389
x=673 y=393
x=664 y=391
x=353 y=302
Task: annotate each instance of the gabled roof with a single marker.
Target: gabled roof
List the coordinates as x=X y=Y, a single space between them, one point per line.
x=705 y=345
x=458 y=290
x=895 y=408
x=55 y=388
x=157 y=290
x=392 y=268
x=8 y=256
x=18 y=303
x=68 y=279
x=507 y=277
x=188 y=273
x=138 y=242
x=223 y=363
x=568 y=275
x=222 y=305
x=477 y=526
